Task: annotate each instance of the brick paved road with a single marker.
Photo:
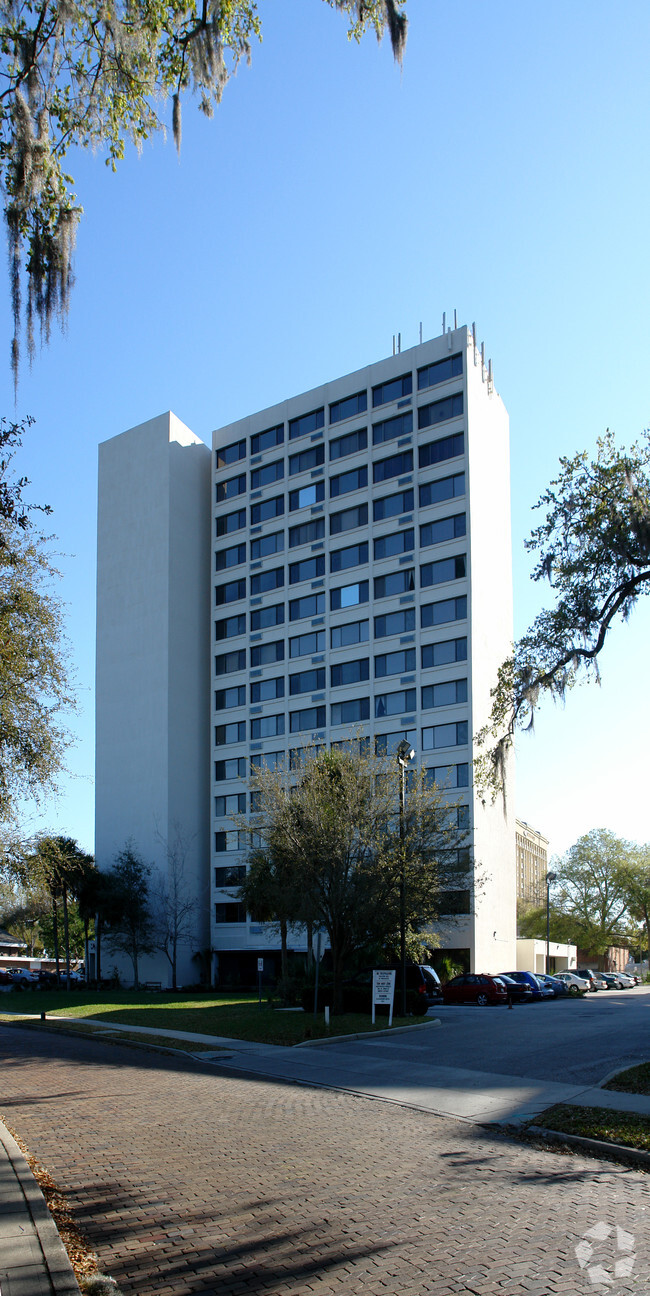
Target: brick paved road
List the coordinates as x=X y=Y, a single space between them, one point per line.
x=186 y=1181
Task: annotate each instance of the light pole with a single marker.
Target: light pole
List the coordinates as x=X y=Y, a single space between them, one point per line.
x=405 y=754
x=550 y=877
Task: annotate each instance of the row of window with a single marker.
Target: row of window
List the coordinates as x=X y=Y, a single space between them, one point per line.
x=395 y=465
x=345 y=673
x=389 y=506
x=344 y=596
x=386 y=546
x=349 y=407
x=352 y=711
x=237 y=767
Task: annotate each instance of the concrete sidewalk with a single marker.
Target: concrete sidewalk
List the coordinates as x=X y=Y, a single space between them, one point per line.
x=33 y=1259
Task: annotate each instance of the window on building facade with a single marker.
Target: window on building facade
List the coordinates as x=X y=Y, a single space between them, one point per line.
x=230 y=805
x=349 y=407
x=441 y=654
x=266 y=510
x=308 y=681
x=448 y=776
x=445 y=448
x=432 y=614
x=267 y=654
x=392 y=623
x=267 y=690
x=231 y=487
x=224 y=699
x=229 y=875
x=389 y=429
x=349 y=595
x=399 y=582
x=306 y=532
x=350 y=672
x=229 y=522
x=230 y=592
x=395 y=663
x=266 y=545
x=445 y=694
x=395 y=466
x=306 y=459
x=230 y=627
x=349 y=444
x=392 y=505
x=352 y=633
x=398 y=703
x=435 y=492
x=387 y=744
x=230 y=913
x=229 y=733
x=274 y=760
x=228 y=663
x=448 y=528
x=229 y=840
x=231 y=454
x=264 y=581
x=439 y=411
x=351 y=712
x=307 y=569
x=310 y=718
x=445 y=735
x=225 y=770
x=230 y=557
x=308 y=606
x=306 y=495
x=392 y=390
x=265 y=617
x=351 y=556
x=389 y=546
x=303 y=644
x=267 y=474
x=343 y=483
x=348 y=519
x=447 y=569
x=440 y=371
x=267 y=726
x=306 y=423
x=268 y=439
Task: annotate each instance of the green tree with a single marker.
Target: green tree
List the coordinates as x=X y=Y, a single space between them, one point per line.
x=592 y=892
x=133 y=930
x=95 y=75
x=59 y=866
x=173 y=905
x=638 y=890
x=330 y=830
x=76 y=931
x=35 y=688
x=593 y=548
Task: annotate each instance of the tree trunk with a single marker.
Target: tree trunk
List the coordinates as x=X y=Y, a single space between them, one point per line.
x=55 y=931
x=284 y=955
x=66 y=938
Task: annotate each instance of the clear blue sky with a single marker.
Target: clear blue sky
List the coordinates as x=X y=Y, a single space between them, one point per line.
x=332 y=202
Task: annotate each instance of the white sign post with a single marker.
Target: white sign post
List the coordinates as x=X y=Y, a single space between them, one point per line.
x=383 y=992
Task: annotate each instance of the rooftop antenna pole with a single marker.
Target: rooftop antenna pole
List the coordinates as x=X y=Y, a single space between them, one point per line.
x=399 y=343
x=455 y=324
x=444 y=322
x=393 y=344
x=420 y=332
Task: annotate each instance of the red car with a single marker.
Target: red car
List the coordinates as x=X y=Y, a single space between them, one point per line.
x=475 y=988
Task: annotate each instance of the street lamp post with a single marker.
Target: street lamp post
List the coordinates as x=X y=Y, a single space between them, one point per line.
x=405 y=754
x=550 y=877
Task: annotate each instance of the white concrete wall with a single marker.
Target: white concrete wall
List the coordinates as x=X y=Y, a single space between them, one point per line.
x=152 y=684
x=531 y=956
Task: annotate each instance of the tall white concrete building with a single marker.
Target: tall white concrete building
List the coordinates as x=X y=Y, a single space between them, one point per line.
x=356 y=574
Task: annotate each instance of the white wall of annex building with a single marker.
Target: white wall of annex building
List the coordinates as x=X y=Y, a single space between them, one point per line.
x=152 y=684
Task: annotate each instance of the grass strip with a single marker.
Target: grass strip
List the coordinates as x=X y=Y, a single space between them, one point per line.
x=625 y=1128
x=237 y=1016
x=635 y=1080
x=109 y=1035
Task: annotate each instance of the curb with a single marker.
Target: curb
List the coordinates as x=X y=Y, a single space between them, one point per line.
x=55 y=1256
x=615 y=1151
x=394 y=1030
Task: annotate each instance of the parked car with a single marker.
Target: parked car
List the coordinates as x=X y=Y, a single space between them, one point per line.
x=47 y=979
x=595 y=979
x=23 y=979
x=529 y=978
x=617 y=980
x=475 y=988
x=518 y=991
x=560 y=988
x=575 y=985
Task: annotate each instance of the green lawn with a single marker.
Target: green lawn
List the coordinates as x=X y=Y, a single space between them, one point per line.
x=234 y=1015
x=598 y=1123
x=635 y=1080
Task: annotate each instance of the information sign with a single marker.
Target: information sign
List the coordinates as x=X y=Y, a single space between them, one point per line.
x=383 y=991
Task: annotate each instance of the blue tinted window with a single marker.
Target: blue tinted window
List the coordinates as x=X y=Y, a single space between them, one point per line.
x=352 y=633
x=392 y=390
x=345 y=409
x=308 y=569
x=454 y=609
x=306 y=532
x=395 y=466
x=306 y=423
x=355 y=479
x=306 y=459
x=448 y=528
x=387 y=704
x=439 y=411
x=400 y=426
x=444 y=488
x=447 y=569
x=308 y=681
x=350 y=712
x=267 y=440
x=437 y=451
x=261 y=582
x=310 y=718
x=232 y=486
x=306 y=495
x=349 y=595
x=352 y=556
x=262 y=618
x=392 y=505
x=229 y=522
x=230 y=627
x=348 y=519
x=393 y=623
x=230 y=557
x=395 y=663
x=390 y=545
x=267 y=544
x=224 y=699
x=267 y=690
x=395 y=583
x=351 y=672
x=230 y=592
x=440 y=371
x=269 y=473
x=267 y=509
x=441 y=654
x=228 y=663
x=349 y=444
x=308 y=606
x=303 y=644
x=266 y=654
x=446 y=694
x=231 y=454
